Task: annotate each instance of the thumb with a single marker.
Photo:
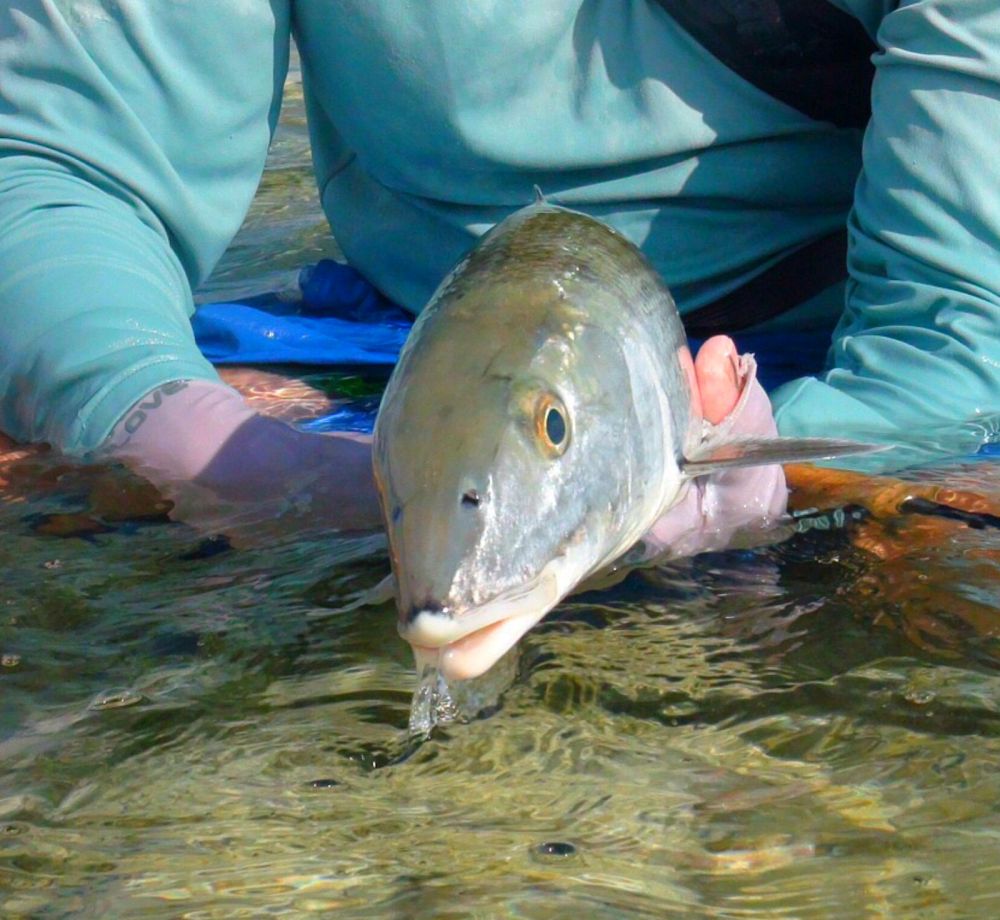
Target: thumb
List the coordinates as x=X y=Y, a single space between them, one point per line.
x=718 y=375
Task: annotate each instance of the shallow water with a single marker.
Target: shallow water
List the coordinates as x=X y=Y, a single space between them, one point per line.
x=191 y=729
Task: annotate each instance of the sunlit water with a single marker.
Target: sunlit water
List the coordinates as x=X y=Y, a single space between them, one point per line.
x=191 y=729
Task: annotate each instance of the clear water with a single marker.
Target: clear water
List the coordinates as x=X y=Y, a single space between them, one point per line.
x=190 y=730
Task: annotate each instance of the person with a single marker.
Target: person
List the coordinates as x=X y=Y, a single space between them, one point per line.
x=732 y=141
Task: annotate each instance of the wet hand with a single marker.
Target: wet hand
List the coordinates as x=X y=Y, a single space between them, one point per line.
x=323 y=479
x=217 y=460
x=715 y=508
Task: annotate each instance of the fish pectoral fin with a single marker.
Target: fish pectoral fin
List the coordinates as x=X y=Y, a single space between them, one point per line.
x=715 y=457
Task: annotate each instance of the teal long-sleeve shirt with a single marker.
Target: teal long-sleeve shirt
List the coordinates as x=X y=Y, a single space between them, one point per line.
x=133 y=135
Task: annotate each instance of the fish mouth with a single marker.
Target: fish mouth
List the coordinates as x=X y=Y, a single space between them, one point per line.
x=467 y=644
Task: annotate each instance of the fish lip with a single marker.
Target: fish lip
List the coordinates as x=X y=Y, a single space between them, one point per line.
x=476 y=652
x=436 y=629
x=473 y=655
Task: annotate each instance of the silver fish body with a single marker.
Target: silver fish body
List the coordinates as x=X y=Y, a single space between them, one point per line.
x=535 y=427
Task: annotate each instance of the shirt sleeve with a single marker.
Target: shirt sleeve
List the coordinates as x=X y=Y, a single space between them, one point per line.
x=132 y=139
x=918 y=347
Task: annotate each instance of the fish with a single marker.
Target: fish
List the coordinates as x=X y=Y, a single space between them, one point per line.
x=538 y=423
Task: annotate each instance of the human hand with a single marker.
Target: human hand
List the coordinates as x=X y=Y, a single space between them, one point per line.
x=726 y=392
x=215 y=459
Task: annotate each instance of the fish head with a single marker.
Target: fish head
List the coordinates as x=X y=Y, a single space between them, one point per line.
x=507 y=456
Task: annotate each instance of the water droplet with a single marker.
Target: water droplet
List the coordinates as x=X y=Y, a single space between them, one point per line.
x=10 y=660
x=432 y=703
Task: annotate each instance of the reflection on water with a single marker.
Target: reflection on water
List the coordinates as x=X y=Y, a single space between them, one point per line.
x=195 y=727
x=195 y=730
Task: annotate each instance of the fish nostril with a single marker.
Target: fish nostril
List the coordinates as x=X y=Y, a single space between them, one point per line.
x=471 y=499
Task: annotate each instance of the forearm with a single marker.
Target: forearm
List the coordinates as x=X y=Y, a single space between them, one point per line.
x=132 y=138
x=918 y=350
x=94 y=308
x=202 y=434
x=175 y=431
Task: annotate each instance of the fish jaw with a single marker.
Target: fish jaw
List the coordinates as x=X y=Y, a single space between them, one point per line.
x=464 y=643
x=474 y=654
x=467 y=644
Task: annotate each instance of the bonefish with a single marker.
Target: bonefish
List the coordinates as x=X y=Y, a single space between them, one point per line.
x=538 y=423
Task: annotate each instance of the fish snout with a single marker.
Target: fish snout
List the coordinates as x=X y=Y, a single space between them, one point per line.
x=412 y=613
x=460 y=646
x=429 y=624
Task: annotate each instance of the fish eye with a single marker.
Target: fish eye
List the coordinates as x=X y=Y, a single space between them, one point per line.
x=552 y=425
x=555 y=426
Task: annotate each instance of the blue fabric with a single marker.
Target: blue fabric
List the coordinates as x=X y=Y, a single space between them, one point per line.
x=340 y=320
x=357 y=416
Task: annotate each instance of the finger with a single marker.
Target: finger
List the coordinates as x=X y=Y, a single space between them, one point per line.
x=718 y=375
